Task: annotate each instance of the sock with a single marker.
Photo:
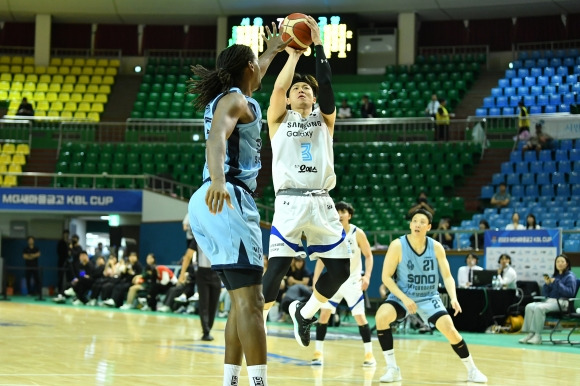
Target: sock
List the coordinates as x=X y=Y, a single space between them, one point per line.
x=319 y=345
x=368 y=347
x=390 y=358
x=468 y=362
x=365 y=333
x=258 y=375
x=231 y=375
x=461 y=349
x=321 y=331
x=311 y=307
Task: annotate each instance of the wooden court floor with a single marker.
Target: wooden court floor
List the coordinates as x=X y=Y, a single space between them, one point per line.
x=48 y=344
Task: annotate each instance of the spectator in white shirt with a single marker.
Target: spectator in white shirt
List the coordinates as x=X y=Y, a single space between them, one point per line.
x=344 y=110
x=506 y=273
x=531 y=222
x=432 y=106
x=465 y=273
x=515 y=224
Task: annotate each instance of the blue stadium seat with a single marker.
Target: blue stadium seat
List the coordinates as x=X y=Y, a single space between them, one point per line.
x=535 y=54
x=494 y=111
x=516 y=156
x=536 y=90
x=509 y=74
x=556 y=79
x=536 y=167
x=558 y=178
x=501 y=101
x=572 y=246
x=549 y=71
x=532 y=191
x=568 y=62
x=530 y=156
x=549 y=167
x=535 y=110
x=503 y=83
x=549 y=109
x=560 y=53
x=507 y=110
x=566 y=144
x=517 y=64
x=573 y=52
x=528 y=179
x=529 y=100
x=576 y=88
x=489 y=102
x=577 y=66
x=529 y=63
x=564 y=108
x=481 y=112
x=509 y=91
x=523 y=90
x=555 y=62
x=574 y=154
x=497 y=178
x=545 y=155
x=571 y=79
x=561 y=155
x=547 y=190
x=573 y=178
x=487 y=191
x=564 y=167
x=523 y=72
x=542 y=80
x=535 y=72
x=542 y=178
x=507 y=168
x=517 y=82
x=514 y=100
x=555 y=99
x=513 y=179
x=542 y=62
x=496 y=92
x=562 y=71
x=569 y=99
x=549 y=223
x=550 y=90
x=575 y=190
x=523 y=55
x=563 y=190
x=529 y=81
x=566 y=223
x=521 y=167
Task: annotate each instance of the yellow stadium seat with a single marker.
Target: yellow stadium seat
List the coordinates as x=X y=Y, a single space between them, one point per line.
x=111 y=71
x=79 y=62
x=96 y=79
x=91 y=62
x=15 y=96
x=55 y=61
x=44 y=78
x=99 y=71
x=80 y=115
x=29 y=60
x=42 y=87
x=9 y=181
x=57 y=79
x=67 y=87
x=114 y=63
x=3 y=169
x=54 y=87
x=32 y=78
x=19 y=78
x=39 y=96
x=101 y=63
x=87 y=71
x=6 y=76
x=42 y=106
x=51 y=96
x=9 y=148
x=5 y=159
x=27 y=94
x=67 y=62
x=39 y=113
x=29 y=86
x=23 y=148
x=70 y=79
x=53 y=113
x=82 y=88
x=66 y=114
x=93 y=88
x=84 y=79
x=76 y=70
x=64 y=70
x=17 y=60
x=56 y=106
x=76 y=97
x=12 y=111
x=108 y=80
x=40 y=70
x=97 y=107
x=18 y=159
x=105 y=89
x=4 y=85
x=70 y=106
x=4 y=59
x=102 y=98
x=88 y=97
x=16 y=86
x=14 y=104
x=14 y=168
x=28 y=69
x=84 y=107
x=64 y=97
x=52 y=70
x=95 y=117
x=4 y=68
x=3 y=95
x=16 y=69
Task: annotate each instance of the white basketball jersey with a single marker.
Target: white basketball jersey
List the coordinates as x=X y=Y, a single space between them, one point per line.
x=302 y=155
x=355 y=255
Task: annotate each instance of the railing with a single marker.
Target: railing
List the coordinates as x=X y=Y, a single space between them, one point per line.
x=181 y=54
x=456 y=50
x=506 y=125
x=86 y=53
x=16 y=51
x=18 y=131
x=551 y=45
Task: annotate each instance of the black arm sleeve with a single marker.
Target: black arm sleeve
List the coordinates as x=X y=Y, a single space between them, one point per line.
x=324 y=78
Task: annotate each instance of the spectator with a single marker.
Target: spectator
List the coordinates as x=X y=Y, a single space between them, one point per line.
x=344 y=110
x=75 y=250
x=187 y=230
x=25 y=108
x=501 y=198
x=506 y=273
x=465 y=273
x=523 y=122
x=85 y=273
x=141 y=282
x=62 y=252
x=109 y=272
x=30 y=254
x=367 y=108
x=515 y=224
x=540 y=141
x=442 y=121
x=161 y=279
x=298 y=273
x=561 y=285
x=531 y=222
x=115 y=292
x=446 y=238
x=432 y=106
x=483 y=226
x=184 y=289
x=422 y=203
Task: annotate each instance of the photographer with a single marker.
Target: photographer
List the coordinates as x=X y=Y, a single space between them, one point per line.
x=446 y=239
x=422 y=203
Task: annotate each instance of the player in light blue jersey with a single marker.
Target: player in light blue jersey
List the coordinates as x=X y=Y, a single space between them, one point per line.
x=231 y=237
x=417 y=261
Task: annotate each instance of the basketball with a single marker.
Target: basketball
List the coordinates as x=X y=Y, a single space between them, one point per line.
x=294 y=25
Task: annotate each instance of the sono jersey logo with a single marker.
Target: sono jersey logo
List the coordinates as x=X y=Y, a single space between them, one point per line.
x=423 y=281
x=305 y=148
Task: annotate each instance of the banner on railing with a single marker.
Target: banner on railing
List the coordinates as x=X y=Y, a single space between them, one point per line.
x=71 y=200
x=558 y=127
x=532 y=252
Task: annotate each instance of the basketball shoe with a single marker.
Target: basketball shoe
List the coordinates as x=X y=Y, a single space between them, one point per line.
x=476 y=376
x=393 y=374
x=301 y=325
x=317 y=359
x=369 y=360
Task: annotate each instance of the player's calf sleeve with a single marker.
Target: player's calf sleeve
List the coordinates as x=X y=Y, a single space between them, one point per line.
x=321 y=331
x=277 y=269
x=461 y=349
x=385 y=339
x=365 y=333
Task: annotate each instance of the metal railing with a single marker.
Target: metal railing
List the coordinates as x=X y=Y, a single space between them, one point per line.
x=456 y=50
x=551 y=45
x=87 y=53
x=181 y=54
x=16 y=130
x=16 y=51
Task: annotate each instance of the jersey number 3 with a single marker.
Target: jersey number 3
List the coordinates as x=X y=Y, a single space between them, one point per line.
x=306 y=155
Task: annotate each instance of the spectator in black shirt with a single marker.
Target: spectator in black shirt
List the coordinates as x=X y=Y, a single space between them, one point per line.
x=63 y=254
x=31 y=254
x=25 y=108
x=367 y=108
x=85 y=275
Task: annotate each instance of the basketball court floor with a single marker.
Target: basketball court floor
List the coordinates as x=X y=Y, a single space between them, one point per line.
x=42 y=343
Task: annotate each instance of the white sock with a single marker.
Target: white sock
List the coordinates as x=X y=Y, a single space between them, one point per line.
x=311 y=307
x=368 y=347
x=468 y=362
x=390 y=358
x=319 y=345
x=258 y=375
x=231 y=375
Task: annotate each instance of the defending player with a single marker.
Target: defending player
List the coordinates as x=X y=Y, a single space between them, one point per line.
x=232 y=238
x=417 y=260
x=303 y=173
x=351 y=290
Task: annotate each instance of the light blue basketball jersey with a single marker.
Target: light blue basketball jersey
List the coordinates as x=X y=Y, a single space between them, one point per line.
x=418 y=275
x=242 y=147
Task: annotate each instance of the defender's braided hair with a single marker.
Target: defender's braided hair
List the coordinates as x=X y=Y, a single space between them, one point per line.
x=230 y=65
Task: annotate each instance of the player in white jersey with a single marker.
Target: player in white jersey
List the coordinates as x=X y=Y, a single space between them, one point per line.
x=417 y=260
x=351 y=290
x=303 y=173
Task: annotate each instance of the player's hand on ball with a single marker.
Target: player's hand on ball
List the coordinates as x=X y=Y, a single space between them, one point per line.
x=455 y=305
x=215 y=197
x=410 y=305
x=314 y=30
x=274 y=40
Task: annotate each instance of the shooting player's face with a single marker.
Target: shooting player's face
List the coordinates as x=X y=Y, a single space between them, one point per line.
x=420 y=224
